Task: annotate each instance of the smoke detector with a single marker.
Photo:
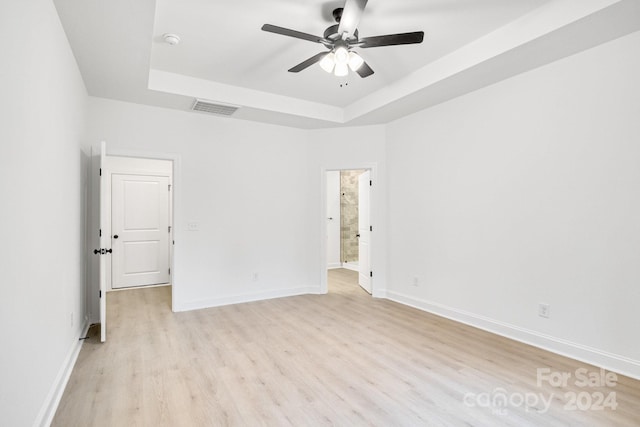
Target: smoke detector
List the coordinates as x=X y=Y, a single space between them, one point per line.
x=172 y=39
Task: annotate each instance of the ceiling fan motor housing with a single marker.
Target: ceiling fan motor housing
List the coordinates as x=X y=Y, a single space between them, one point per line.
x=337 y=14
x=332 y=34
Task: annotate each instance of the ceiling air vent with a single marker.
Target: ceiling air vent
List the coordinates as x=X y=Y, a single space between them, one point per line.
x=213 y=108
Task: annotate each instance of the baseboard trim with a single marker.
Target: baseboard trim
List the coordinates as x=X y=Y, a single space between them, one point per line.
x=242 y=298
x=50 y=405
x=334 y=265
x=351 y=267
x=128 y=288
x=603 y=359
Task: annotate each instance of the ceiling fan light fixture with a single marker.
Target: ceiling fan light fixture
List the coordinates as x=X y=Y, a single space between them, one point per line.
x=341 y=69
x=339 y=38
x=327 y=63
x=355 y=61
x=341 y=55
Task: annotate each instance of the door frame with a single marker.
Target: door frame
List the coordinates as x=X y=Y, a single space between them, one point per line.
x=96 y=280
x=373 y=218
x=174 y=202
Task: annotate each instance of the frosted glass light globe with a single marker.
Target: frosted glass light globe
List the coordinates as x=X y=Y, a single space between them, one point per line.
x=328 y=62
x=341 y=55
x=341 y=69
x=355 y=61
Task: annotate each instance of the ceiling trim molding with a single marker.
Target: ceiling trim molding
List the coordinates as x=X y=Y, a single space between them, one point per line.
x=556 y=29
x=551 y=32
x=164 y=81
x=537 y=38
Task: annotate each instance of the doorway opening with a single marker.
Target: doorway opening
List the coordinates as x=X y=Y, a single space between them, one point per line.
x=348 y=226
x=140 y=170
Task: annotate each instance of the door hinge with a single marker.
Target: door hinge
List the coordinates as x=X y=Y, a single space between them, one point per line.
x=370 y=183
x=100 y=171
x=169 y=187
x=371 y=274
x=371 y=228
x=100 y=232
x=99 y=294
x=169 y=271
x=169 y=229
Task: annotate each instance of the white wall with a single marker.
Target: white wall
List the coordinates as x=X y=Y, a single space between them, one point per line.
x=256 y=191
x=42 y=185
x=246 y=184
x=524 y=192
x=333 y=224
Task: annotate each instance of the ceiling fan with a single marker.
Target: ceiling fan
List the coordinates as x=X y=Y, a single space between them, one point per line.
x=341 y=38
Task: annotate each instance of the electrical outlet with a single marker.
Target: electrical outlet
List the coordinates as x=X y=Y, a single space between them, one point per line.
x=414 y=281
x=543 y=310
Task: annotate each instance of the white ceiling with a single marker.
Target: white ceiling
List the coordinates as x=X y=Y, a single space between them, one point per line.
x=223 y=41
x=225 y=57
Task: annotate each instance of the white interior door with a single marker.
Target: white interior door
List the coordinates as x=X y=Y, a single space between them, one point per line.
x=364 y=230
x=140 y=230
x=99 y=240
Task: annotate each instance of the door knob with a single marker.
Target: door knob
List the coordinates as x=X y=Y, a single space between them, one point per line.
x=115 y=236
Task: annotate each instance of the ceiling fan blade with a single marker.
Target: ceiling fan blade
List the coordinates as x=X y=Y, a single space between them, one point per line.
x=364 y=70
x=293 y=33
x=392 y=39
x=309 y=62
x=351 y=15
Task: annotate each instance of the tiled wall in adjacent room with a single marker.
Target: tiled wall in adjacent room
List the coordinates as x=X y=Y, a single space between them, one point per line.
x=349 y=215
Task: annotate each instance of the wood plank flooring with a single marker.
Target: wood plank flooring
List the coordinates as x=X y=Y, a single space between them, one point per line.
x=343 y=358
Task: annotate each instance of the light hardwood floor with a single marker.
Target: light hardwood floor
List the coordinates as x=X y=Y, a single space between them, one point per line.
x=338 y=359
